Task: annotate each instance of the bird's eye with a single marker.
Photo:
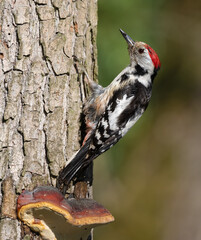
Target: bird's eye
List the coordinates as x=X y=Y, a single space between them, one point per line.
x=141 y=50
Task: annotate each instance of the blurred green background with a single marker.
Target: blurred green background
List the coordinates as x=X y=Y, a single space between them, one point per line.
x=151 y=180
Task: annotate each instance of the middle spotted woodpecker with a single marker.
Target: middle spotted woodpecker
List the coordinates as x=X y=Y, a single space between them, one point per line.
x=110 y=112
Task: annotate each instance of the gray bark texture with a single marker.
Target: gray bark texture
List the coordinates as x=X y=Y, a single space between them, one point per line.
x=43 y=44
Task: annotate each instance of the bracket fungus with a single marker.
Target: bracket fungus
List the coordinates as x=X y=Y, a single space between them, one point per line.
x=46 y=211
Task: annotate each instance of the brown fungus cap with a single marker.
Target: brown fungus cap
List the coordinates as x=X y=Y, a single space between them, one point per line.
x=46 y=211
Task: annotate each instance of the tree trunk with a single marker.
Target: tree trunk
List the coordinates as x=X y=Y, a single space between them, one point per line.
x=44 y=45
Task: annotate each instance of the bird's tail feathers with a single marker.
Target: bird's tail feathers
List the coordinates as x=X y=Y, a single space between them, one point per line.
x=78 y=162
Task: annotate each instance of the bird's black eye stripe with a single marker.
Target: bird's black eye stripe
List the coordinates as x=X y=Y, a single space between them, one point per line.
x=141 y=50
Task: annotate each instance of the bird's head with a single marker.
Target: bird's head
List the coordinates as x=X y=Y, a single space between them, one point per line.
x=142 y=54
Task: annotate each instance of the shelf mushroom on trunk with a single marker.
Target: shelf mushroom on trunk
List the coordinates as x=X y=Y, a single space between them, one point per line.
x=46 y=211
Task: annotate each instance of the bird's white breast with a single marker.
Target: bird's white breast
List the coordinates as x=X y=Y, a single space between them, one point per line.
x=130 y=123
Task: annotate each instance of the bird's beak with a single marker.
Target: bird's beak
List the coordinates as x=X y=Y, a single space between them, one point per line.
x=129 y=40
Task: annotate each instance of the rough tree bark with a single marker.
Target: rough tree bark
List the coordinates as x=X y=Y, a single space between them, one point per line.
x=41 y=94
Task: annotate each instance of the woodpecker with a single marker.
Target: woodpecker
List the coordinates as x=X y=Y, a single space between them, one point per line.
x=111 y=111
